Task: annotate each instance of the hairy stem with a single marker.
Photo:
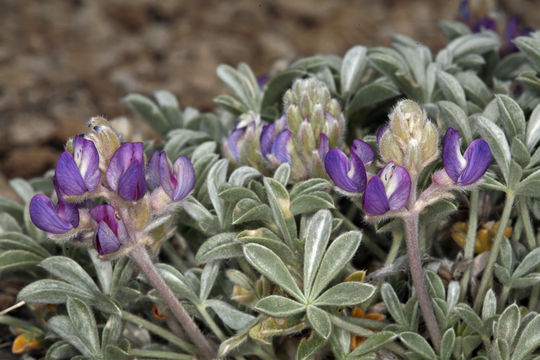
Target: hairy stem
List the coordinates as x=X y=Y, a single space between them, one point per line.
x=487 y=277
x=141 y=257
x=158 y=330
x=469 y=242
x=417 y=275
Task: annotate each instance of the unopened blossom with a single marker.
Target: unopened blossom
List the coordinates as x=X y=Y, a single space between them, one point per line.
x=125 y=173
x=468 y=168
x=388 y=191
x=349 y=174
x=109 y=229
x=79 y=173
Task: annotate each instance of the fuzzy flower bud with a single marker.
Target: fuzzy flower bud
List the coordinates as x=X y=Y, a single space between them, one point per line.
x=105 y=139
x=410 y=139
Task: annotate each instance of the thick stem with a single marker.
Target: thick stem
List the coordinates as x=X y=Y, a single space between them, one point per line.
x=469 y=243
x=417 y=275
x=487 y=277
x=141 y=257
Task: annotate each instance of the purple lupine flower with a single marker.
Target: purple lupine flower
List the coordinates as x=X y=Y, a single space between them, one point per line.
x=513 y=31
x=125 y=174
x=109 y=230
x=486 y=23
x=324 y=146
x=233 y=142
x=78 y=173
x=268 y=134
x=152 y=171
x=55 y=219
x=464 y=11
x=349 y=175
x=467 y=168
x=280 y=147
x=389 y=190
x=178 y=183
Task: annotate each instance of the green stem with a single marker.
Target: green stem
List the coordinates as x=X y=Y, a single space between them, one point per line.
x=211 y=323
x=397 y=239
x=469 y=242
x=141 y=257
x=527 y=224
x=354 y=328
x=504 y=297
x=487 y=276
x=370 y=244
x=159 y=331
x=154 y=354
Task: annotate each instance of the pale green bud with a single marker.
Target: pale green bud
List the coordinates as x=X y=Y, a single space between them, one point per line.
x=295 y=117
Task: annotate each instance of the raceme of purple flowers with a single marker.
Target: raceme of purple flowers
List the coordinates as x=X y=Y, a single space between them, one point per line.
x=389 y=189
x=127 y=179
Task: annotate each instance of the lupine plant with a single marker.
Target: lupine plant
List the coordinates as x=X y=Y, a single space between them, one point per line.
x=379 y=205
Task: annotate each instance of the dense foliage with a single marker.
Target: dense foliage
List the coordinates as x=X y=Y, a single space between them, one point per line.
x=272 y=253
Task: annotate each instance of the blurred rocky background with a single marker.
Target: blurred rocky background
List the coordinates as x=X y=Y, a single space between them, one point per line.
x=62 y=61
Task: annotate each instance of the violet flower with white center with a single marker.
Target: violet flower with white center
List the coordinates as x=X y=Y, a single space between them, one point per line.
x=468 y=168
x=348 y=174
x=109 y=230
x=389 y=190
x=178 y=183
x=79 y=173
x=125 y=174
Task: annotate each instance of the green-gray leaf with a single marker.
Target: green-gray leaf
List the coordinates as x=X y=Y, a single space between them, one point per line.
x=497 y=142
x=447 y=344
x=352 y=68
x=232 y=317
x=316 y=239
x=508 y=324
x=148 y=111
x=70 y=271
x=320 y=321
x=529 y=339
x=338 y=255
x=418 y=345
x=271 y=266
x=279 y=306
x=345 y=294
x=511 y=116
x=84 y=324
x=393 y=305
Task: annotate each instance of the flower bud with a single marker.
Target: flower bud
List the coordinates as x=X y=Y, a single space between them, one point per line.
x=105 y=139
x=410 y=140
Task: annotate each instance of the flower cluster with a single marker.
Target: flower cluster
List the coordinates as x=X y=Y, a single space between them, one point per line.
x=479 y=16
x=97 y=166
x=406 y=145
x=312 y=123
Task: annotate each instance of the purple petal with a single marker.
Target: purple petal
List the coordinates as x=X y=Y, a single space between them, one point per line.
x=232 y=143
x=337 y=166
x=105 y=213
x=121 y=160
x=280 y=149
x=464 y=11
x=167 y=180
x=68 y=175
x=132 y=185
x=363 y=150
x=478 y=157
x=323 y=146
x=105 y=241
x=358 y=172
x=398 y=188
x=43 y=214
x=152 y=171
x=86 y=157
x=380 y=133
x=453 y=161
x=267 y=138
x=375 y=201
x=486 y=23
x=185 y=175
x=67 y=211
